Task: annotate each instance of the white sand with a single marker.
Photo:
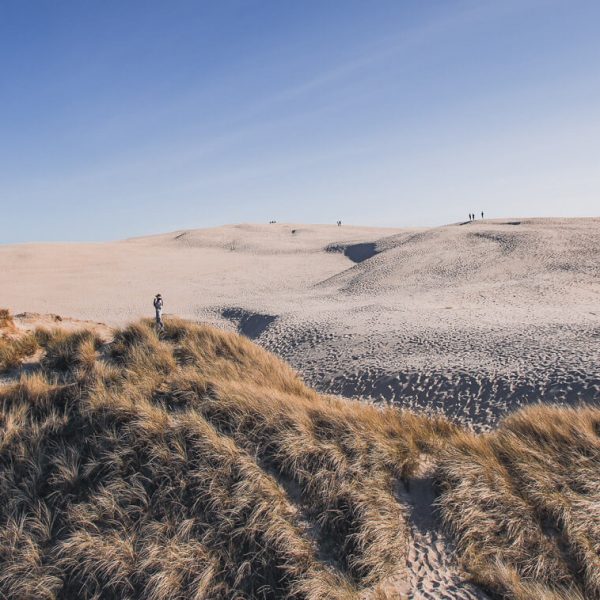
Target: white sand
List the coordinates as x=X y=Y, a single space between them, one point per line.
x=472 y=319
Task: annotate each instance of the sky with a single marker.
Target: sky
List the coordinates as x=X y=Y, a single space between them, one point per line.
x=120 y=119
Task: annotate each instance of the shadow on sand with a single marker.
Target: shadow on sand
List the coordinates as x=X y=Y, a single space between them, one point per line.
x=250 y=324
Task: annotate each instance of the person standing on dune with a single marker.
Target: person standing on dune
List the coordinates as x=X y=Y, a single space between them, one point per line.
x=158 y=306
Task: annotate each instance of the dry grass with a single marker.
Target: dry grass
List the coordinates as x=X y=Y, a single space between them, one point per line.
x=14 y=350
x=65 y=350
x=524 y=503
x=6 y=320
x=146 y=469
x=195 y=465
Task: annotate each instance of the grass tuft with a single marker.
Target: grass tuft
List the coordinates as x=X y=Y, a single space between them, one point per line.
x=6 y=320
x=14 y=350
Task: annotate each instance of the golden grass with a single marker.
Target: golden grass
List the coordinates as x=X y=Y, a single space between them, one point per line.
x=144 y=468
x=6 y=320
x=523 y=503
x=65 y=350
x=14 y=350
x=193 y=464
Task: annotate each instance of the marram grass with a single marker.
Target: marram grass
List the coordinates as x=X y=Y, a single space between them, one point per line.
x=195 y=465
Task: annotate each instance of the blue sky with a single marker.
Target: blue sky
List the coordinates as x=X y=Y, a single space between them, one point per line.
x=123 y=118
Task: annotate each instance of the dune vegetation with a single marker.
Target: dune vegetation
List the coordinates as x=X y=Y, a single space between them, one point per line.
x=14 y=348
x=523 y=503
x=192 y=464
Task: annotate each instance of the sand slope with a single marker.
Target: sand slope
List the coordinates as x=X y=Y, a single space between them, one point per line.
x=535 y=258
x=473 y=319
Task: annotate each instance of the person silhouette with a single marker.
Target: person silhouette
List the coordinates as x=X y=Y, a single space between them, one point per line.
x=482 y=214
x=158 y=307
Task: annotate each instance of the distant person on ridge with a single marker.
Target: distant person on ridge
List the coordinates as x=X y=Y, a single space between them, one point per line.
x=158 y=307
x=482 y=214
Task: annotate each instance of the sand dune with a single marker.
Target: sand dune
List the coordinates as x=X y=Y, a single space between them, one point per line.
x=473 y=319
x=471 y=262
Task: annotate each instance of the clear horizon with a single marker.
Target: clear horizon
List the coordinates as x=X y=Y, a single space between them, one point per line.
x=127 y=119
